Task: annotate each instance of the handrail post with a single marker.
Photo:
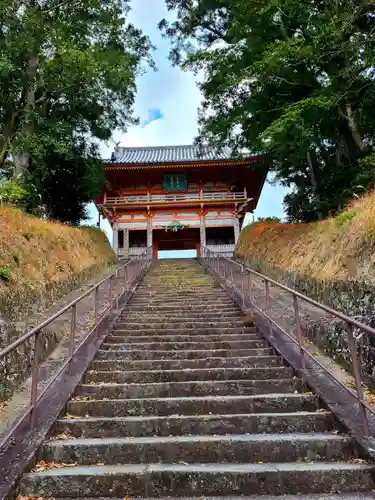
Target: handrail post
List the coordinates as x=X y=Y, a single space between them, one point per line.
x=35 y=378
x=73 y=324
x=250 y=285
x=117 y=290
x=111 y=292
x=358 y=379
x=268 y=305
x=299 y=332
x=242 y=285
x=96 y=306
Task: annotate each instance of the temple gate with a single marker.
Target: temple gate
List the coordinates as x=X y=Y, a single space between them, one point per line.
x=177 y=197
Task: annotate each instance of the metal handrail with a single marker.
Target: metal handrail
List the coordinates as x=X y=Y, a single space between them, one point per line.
x=213 y=261
x=126 y=275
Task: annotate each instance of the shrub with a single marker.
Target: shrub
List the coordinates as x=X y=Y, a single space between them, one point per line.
x=11 y=192
x=5 y=274
x=345 y=217
x=271 y=220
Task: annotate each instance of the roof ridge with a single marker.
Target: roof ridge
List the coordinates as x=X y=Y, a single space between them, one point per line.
x=167 y=147
x=169 y=154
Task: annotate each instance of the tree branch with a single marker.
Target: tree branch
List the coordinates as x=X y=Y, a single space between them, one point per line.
x=62 y=4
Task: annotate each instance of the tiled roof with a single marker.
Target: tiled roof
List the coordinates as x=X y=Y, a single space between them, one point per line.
x=167 y=154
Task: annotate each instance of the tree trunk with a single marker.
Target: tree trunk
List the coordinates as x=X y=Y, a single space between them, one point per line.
x=9 y=129
x=22 y=161
x=313 y=178
x=349 y=114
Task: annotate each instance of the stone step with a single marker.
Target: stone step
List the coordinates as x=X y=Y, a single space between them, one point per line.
x=162 y=281
x=181 y=291
x=150 y=376
x=182 y=299
x=185 y=389
x=184 y=308
x=184 y=278
x=181 y=317
x=229 y=311
x=151 y=282
x=187 y=288
x=186 y=291
x=244 y=331
x=177 y=425
x=184 y=341
x=178 y=302
x=238 y=448
x=318 y=496
x=185 y=364
x=188 y=330
x=143 y=324
x=198 y=479
x=195 y=405
x=146 y=354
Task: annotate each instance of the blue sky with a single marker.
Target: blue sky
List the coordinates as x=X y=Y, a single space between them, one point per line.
x=167 y=105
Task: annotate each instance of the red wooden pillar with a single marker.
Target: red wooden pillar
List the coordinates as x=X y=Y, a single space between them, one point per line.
x=156 y=249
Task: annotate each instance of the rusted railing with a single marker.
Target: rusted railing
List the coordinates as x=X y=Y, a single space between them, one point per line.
x=241 y=281
x=116 y=286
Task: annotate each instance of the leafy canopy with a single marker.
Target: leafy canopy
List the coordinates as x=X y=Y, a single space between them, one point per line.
x=67 y=80
x=289 y=79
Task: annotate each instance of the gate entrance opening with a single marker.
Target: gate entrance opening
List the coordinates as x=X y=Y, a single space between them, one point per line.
x=186 y=239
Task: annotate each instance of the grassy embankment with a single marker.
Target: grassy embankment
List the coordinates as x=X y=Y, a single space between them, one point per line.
x=40 y=260
x=332 y=261
x=339 y=248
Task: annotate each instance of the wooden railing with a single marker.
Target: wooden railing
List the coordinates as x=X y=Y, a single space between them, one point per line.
x=176 y=197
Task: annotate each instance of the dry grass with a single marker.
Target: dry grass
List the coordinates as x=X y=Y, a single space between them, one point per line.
x=39 y=254
x=341 y=247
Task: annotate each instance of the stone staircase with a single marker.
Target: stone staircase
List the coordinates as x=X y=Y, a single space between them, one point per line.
x=184 y=400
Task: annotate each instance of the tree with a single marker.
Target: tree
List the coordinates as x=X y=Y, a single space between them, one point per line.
x=269 y=220
x=65 y=183
x=67 y=76
x=289 y=79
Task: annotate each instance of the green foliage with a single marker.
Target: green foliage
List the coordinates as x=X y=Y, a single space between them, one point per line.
x=345 y=217
x=11 y=192
x=67 y=77
x=65 y=183
x=291 y=80
x=5 y=274
x=275 y=220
